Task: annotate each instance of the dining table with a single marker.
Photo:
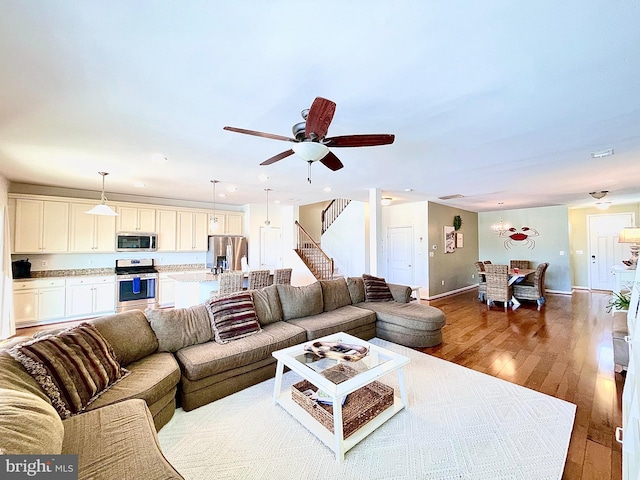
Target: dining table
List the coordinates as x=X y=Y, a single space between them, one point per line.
x=516 y=275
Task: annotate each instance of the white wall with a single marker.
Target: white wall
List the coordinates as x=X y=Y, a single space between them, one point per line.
x=346 y=240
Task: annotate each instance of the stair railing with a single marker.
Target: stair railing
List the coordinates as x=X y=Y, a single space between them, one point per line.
x=332 y=211
x=312 y=255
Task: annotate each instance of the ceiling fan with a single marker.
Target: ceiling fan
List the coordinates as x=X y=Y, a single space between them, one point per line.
x=311 y=142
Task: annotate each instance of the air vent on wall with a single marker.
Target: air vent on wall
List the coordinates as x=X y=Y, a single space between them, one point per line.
x=449 y=197
x=602 y=153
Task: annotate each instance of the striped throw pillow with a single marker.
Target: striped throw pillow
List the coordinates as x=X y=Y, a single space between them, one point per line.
x=376 y=289
x=73 y=367
x=232 y=317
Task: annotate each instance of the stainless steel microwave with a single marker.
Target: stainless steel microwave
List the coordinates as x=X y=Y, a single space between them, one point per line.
x=136 y=242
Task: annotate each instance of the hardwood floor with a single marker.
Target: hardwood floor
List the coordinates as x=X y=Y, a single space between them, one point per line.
x=564 y=350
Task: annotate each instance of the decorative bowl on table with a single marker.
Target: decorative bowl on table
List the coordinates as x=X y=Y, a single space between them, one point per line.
x=337 y=350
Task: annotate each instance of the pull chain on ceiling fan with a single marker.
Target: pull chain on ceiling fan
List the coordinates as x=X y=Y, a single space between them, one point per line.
x=311 y=142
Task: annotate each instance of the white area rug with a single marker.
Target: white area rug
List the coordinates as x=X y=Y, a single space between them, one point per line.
x=460 y=424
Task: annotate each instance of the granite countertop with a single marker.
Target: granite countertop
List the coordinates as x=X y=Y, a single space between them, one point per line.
x=98 y=272
x=194 y=277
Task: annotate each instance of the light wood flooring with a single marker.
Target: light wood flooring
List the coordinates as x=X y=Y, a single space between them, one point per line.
x=564 y=350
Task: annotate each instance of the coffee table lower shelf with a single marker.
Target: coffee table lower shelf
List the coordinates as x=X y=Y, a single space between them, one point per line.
x=327 y=437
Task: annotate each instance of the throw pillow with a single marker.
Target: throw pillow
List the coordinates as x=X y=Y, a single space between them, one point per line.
x=232 y=317
x=179 y=327
x=299 y=302
x=356 y=289
x=376 y=289
x=73 y=367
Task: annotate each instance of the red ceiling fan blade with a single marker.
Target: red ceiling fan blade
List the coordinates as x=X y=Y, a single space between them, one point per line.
x=260 y=134
x=275 y=158
x=331 y=161
x=319 y=117
x=360 y=140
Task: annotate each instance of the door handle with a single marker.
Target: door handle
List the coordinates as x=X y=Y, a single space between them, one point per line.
x=593 y=259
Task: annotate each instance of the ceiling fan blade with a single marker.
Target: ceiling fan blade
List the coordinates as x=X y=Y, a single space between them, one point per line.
x=360 y=140
x=331 y=161
x=260 y=134
x=319 y=117
x=275 y=158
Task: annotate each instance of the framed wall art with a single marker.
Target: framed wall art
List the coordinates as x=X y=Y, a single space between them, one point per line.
x=449 y=239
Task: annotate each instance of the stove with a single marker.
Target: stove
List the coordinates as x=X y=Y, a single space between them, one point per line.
x=136 y=284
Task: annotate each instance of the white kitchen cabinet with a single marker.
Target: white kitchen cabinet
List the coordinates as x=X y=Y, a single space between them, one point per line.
x=41 y=226
x=228 y=223
x=38 y=300
x=87 y=296
x=192 y=231
x=167 y=222
x=136 y=219
x=167 y=291
x=90 y=233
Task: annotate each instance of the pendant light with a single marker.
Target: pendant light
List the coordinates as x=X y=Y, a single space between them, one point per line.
x=267 y=223
x=102 y=208
x=500 y=227
x=213 y=223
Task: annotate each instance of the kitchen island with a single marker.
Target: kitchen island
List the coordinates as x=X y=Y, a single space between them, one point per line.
x=194 y=288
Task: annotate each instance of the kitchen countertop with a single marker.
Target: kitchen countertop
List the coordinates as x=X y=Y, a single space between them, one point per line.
x=194 y=277
x=99 y=272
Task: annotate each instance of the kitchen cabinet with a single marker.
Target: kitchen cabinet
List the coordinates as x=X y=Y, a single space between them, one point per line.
x=41 y=226
x=90 y=233
x=228 y=223
x=38 y=300
x=136 y=219
x=86 y=296
x=192 y=231
x=167 y=291
x=167 y=221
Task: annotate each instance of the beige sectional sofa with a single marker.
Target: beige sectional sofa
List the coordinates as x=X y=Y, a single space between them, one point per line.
x=170 y=354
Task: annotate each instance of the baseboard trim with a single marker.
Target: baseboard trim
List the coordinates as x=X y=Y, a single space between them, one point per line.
x=451 y=292
x=560 y=292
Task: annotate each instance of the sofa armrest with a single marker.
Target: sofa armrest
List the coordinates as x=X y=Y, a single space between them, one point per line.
x=401 y=293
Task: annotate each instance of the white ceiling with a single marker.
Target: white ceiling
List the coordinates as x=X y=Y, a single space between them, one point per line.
x=500 y=101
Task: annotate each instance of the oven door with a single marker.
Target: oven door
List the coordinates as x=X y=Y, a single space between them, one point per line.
x=136 y=292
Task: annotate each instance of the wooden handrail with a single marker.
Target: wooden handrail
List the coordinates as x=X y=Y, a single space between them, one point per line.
x=331 y=212
x=313 y=241
x=318 y=262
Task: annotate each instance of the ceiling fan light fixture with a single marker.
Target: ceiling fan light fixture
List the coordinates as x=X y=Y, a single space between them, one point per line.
x=310 y=151
x=599 y=195
x=603 y=205
x=102 y=208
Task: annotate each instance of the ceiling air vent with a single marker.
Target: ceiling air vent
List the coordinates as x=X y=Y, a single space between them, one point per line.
x=449 y=197
x=602 y=153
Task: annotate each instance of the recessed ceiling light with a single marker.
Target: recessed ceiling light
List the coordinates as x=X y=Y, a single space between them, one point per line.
x=158 y=158
x=327 y=189
x=263 y=177
x=232 y=188
x=276 y=201
x=408 y=189
x=222 y=195
x=602 y=153
x=139 y=185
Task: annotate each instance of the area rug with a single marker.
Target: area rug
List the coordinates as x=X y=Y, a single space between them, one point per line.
x=460 y=424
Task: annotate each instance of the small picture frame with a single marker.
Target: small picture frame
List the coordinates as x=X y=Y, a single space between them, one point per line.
x=449 y=239
x=459 y=240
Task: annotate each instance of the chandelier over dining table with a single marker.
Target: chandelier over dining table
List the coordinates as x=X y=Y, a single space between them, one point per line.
x=501 y=226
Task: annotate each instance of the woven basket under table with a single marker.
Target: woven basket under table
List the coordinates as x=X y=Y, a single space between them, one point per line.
x=359 y=408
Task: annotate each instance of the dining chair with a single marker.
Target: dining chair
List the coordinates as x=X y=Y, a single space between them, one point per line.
x=498 y=288
x=533 y=290
x=487 y=262
x=258 y=279
x=482 y=283
x=282 y=276
x=519 y=264
x=229 y=282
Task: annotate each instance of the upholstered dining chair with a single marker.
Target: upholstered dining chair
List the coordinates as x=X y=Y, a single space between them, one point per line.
x=482 y=283
x=519 y=264
x=259 y=279
x=229 y=282
x=533 y=290
x=498 y=288
x=282 y=276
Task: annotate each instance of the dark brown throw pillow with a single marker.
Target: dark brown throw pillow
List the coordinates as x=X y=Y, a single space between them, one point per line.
x=376 y=289
x=73 y=367
x=232 y=317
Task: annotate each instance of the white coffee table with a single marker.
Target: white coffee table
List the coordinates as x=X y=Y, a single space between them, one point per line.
x=377 y=363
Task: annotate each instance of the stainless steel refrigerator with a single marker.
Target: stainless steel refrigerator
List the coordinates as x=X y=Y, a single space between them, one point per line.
x=226 y=252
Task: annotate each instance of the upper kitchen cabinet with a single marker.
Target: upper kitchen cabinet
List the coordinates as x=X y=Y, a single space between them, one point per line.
x=41 y=226
x=90 y=233
x=167 y=221
x=192 y=231
x=136 y=219
x=228 y=223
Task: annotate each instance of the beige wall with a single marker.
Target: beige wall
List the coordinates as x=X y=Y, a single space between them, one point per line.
x=579 y=238
x=311 y=219
x=456 y=269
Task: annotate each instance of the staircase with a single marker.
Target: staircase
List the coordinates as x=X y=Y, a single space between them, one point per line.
x=320 y=265
x=332 y=211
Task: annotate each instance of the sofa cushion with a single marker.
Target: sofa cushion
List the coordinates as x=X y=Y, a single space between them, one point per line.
x=13 y=376
x=129 y=334
x=376 y=289
x=267 y=303
x=179 y=327
x=73 y=368
x=232 y=317
x=356 y=289
x=409 y=316
x=201 y=361
x=342 y=319
x=117 y=441
x=29 y=425
x=335 y=294
x=298 y=302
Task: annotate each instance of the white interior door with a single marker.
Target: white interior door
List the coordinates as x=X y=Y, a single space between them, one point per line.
x=270 y=248
x=604 y=249
x=400 y=255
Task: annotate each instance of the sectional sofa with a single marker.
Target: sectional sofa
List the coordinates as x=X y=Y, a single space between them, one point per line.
x=170 y=355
